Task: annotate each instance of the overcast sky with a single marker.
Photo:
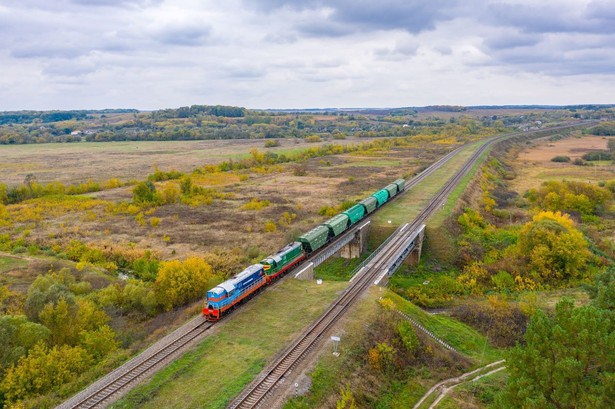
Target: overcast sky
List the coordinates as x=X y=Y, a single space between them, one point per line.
x=149 y=54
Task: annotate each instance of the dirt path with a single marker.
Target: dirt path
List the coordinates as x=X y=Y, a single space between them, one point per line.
x=444 y=386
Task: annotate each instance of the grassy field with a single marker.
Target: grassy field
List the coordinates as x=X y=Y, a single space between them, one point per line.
x=8 y=263
x=217 y=370
x=329 y=369
x=534 y=165
x=460 y=336
x=76 y=162
x=337 y=268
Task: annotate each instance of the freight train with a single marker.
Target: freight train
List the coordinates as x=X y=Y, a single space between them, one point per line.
x=228 y=294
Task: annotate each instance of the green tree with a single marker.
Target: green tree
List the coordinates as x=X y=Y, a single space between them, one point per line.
x=408 y=335
x=67 y=321
x=17 y=336
x=568 y=361
x=98 y=343
x=185 y=185
x=602 y=291
x=144 y=193
x=48 y=288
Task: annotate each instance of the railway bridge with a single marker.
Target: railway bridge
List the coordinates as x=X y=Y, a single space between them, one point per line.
x=353 y=245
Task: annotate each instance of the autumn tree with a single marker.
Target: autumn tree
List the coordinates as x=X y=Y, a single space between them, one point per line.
x=179 y=282
x=554 y=248
x=568 y=361
x=42 y=370
x=66 y=322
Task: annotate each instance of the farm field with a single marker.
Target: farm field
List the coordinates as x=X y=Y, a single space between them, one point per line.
x=71 y=163
x=534 y=164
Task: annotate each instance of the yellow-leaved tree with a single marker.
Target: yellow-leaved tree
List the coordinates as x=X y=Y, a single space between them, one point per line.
x=179 y=282
x=553 y=247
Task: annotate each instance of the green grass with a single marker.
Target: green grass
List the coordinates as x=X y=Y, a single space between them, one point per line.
x=451 y=203
x=330 y=369
x=218 y=369
x=338 y=268
x=460 y=336
x=481 y=393
x=11 y=263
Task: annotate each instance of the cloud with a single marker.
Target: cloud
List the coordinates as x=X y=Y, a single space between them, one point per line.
x=281 y=53
x=346 y=17
x=184 y=35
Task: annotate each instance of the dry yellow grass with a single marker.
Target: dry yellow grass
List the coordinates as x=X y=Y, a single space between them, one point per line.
x=534 y=164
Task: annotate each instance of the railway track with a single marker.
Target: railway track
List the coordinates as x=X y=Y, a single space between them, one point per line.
x=116 y=383
x=257 y=393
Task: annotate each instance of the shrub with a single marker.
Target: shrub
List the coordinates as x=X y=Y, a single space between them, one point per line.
x=561 y=159
x=313 y=139
x=272 y=143
x=579 y=162
x=270 y=226
x=256 y=204
x=597 y=155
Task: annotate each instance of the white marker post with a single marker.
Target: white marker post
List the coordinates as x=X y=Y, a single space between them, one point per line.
x=336 y=341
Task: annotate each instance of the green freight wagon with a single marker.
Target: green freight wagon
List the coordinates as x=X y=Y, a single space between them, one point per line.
x=392 y=189
x=355 y=213
x=369 y=203
x=282 y=259
x=337 y=224
x=401 y=184
x=314 y=239
x=381 y=196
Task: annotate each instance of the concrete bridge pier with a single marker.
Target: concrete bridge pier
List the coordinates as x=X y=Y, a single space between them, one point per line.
x=415 y=255
x=357 y=245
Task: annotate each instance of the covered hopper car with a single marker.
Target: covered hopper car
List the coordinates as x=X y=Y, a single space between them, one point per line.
x=242 y=286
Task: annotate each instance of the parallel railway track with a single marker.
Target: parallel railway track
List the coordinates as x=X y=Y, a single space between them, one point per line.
x=116 y=383
x=257 y=393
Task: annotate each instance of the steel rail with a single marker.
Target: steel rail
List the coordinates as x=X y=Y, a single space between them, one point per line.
x=101 y=391
x=259 y=390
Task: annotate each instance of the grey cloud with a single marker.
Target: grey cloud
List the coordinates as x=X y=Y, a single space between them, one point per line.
x=512 y=40
x=355 y=16
x=46 y=51
x=68 y=69
x=547 y=18
x=184 y=35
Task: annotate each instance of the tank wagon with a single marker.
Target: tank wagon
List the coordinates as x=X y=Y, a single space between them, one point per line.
x=244 y=285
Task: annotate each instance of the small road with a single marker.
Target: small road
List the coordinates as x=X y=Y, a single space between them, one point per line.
x=442 y=388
